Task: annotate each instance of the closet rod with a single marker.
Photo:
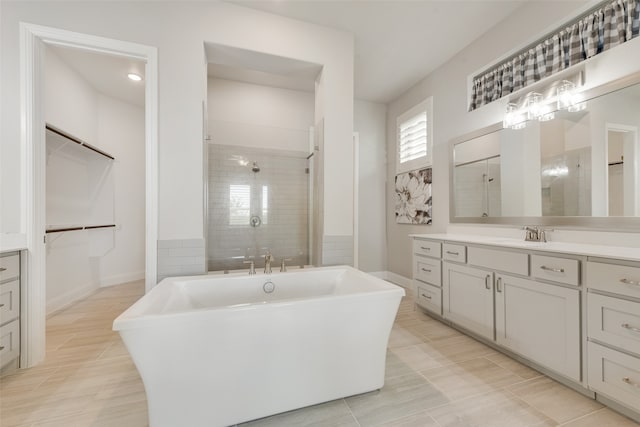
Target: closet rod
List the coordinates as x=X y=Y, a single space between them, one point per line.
x=88 y=227
x=77 y=141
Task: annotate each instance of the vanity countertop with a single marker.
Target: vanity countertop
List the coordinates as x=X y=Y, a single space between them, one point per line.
x=602 y=251
x=10 y=242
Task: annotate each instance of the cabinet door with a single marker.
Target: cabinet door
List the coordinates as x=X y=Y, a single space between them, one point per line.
x=540 y=322
x=468 y=298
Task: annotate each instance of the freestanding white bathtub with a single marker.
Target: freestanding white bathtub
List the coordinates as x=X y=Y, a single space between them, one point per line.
x=220 y=350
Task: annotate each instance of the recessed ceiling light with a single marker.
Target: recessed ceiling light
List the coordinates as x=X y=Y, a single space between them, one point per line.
x=135 y=77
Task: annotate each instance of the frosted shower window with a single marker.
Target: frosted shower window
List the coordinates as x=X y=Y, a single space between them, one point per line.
x=265 y=204
x=239 y=204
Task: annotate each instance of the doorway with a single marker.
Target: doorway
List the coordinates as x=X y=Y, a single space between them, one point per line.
x=622 y=170
x=34 y=40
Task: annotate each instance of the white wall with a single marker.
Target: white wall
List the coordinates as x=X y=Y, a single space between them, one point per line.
x=369 y=122
x=84 y=188
x=178 y=30
x=448 y=86
x=259 y=116
x=121 y=134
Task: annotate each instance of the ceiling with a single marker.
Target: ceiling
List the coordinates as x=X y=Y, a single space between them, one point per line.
x=105 y=73
x=232 y=63
x=397 y=42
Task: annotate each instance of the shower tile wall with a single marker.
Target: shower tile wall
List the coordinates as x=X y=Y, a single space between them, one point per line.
x=277 y=195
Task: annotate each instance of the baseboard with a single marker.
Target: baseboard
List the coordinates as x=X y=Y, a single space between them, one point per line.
x=65 y=300
x=118 y=279
x=399 y=280
x=394 y=278
x=379 y=274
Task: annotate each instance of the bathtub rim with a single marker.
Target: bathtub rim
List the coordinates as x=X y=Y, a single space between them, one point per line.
x=129 y=320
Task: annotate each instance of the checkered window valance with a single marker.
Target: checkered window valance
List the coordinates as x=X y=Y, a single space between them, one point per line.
x=613 y=23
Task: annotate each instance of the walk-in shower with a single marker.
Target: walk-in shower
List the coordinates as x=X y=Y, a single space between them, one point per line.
x=258 y=204
x=477 y=186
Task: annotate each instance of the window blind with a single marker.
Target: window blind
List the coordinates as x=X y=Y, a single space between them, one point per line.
x=413 y=138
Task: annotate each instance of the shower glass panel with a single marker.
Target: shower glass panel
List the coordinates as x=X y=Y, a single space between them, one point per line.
x=258 y=203
x=478 y=188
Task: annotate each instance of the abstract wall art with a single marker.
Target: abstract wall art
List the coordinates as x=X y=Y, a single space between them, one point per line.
x=413 y=197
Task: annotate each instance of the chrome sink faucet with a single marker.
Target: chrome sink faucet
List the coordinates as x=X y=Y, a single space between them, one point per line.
x=267 y=262
x=535 y=234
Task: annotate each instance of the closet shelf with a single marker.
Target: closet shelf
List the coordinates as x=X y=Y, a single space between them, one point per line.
x=77 y=141
x=76 y=228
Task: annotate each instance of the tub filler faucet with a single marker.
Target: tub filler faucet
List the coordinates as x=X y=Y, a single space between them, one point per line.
x=267 y=262
x=252 y=267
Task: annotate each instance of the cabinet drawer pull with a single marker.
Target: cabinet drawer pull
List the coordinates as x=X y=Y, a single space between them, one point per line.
x=426 y=249
x=499 y=284
x=453 y=253
x=486 y=281
x=628 y=381
x=1 y=305
x=1 y=347
x=425 y=270
x=630 y=282
x=2 y=269
x=555 y=270
x=425 y=296
x=631 y=328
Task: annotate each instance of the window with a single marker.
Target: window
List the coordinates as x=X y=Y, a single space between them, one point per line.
x=265 y=204
x=414 y=143
x=239 y=204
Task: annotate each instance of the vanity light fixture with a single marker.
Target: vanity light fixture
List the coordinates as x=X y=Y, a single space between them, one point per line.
x=514 y=118
x=135 y=77
x=534 y=105
x=578 y=106
x=566 y=95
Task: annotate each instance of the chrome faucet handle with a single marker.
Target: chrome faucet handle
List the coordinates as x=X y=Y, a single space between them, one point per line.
x=542 y=234
x=267 y=262
x=252 y=267
x=531 y=233
x=283 y=267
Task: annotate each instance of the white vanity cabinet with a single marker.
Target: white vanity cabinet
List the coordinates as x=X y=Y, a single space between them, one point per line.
x=539 y=321
x=427 y=274
x=570 y=310
x=524 y=301
x=9 y=311
x=613 y=330
x=468 y=298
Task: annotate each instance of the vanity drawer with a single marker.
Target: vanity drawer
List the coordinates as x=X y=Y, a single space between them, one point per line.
x=618 y=279
x=9 y=301
x=427 y=270
x=427 y=248
x=614 y=321
x=430 y=298
x=9 y=267
x=510 y=262
x=561 y=270
x=453 y=252
x=9 y=342
x=614 y=374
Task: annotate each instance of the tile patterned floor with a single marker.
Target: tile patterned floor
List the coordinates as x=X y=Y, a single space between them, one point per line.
x=436 y=377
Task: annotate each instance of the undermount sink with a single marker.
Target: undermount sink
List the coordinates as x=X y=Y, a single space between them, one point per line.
x=516 y=242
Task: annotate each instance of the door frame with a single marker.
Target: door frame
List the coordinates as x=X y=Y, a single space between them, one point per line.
x=632 y=176
x=33 y=39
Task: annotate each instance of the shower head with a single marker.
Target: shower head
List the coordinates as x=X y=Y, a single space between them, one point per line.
x=255 y=167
